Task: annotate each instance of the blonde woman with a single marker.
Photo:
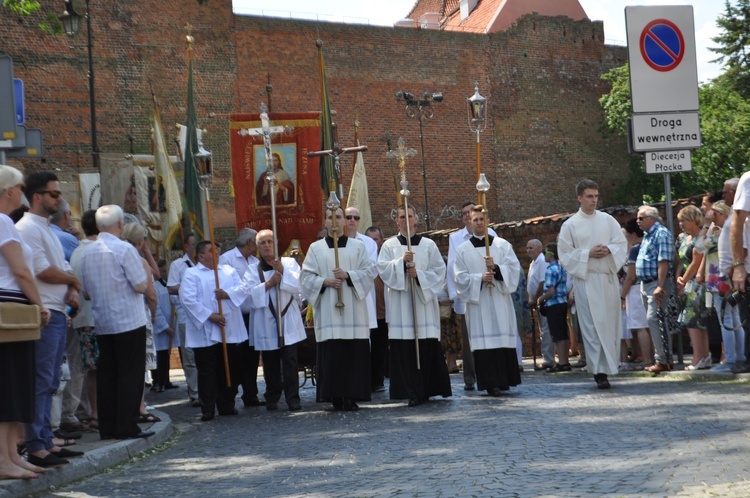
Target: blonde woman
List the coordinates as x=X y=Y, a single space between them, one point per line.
x=694 y=314
x=136 y=234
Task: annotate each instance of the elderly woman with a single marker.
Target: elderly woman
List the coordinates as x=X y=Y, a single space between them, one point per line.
x=17 y=284
x=135 y=233
x=694 y=314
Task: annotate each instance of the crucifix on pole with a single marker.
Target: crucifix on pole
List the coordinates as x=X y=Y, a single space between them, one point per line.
x=267 y=132
x=402 y=154
x=333 y=202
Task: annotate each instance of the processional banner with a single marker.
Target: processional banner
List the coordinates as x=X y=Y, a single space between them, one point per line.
x=299 y=208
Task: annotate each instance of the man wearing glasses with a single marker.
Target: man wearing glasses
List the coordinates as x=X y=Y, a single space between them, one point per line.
x=592 y=249
x=652 y=269
x=58 y=288
x=352 y=231
x=455 y=240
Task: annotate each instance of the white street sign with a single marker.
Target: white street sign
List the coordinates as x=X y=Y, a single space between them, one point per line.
x=673 y=161
x=672 y=131
x=661 y=52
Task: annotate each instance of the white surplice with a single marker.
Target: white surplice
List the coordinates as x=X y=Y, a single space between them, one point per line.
x=198 y=298
x=596 y=284
x=263 y=322
x=490 y=316
x=429 y=282
x=352 y=321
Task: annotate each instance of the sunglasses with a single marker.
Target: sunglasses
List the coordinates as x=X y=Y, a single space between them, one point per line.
x=641 y=218
x=52 y=193
x=352 y=217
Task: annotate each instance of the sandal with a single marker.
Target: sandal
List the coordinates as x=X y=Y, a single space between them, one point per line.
x=93 y=424
x=148 y=418
x=63 y=442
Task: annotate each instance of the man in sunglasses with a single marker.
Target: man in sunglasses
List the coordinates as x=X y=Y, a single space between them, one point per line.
x=352 y=231
x=58 y=288
x=592 y=249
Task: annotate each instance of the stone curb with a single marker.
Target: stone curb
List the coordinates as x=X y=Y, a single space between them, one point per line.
x=92 y=462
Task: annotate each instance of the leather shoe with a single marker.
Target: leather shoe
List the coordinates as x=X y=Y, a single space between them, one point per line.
x=469 y=387
x=272 y=407
x=228 y=412
x=414 y=402
x=66 y=453
x=295 y=407
x=140 y=435
x=741 y=368
x=67 y=435
x=601 y=381
x=495 y=392
x=254 y=402
x=48 y=461
x=659 y=367
x=207 y=417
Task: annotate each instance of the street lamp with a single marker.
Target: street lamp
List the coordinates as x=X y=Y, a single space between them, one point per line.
x=477 y=109
x=418 y=108
x=70 y=20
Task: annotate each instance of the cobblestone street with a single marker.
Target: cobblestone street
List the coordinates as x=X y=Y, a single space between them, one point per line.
x=554 y=435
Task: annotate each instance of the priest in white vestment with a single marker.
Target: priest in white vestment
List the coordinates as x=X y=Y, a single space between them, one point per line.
x=199 y=296
x=342 y=332
x=490 y=315
x=264 y=278
x=592 y=249
x=415 y=276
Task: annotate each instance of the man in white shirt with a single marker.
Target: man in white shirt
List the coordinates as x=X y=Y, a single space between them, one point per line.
x=58 y=287
x=740 y=268
x=455 y=240
x=270 y=280
x=187 y=358
x=114 y=280
x=352 y=231
x=534 y=287
x=203 y=332
x=242 y=258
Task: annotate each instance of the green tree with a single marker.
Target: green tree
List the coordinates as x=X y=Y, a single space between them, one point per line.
x=734 y=44
x=725 y=132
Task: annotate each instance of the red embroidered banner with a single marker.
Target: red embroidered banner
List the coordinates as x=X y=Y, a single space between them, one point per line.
x=299 y=203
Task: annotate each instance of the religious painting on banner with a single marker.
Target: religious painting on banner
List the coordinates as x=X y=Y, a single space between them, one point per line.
x=299 y=202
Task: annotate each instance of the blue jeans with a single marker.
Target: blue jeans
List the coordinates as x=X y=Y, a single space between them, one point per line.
x=731 y=332
x=49 y=351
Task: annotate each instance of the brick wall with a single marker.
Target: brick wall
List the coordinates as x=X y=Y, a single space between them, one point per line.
x=542 y=77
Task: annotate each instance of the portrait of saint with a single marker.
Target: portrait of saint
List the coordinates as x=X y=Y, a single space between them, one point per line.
x=284 y=163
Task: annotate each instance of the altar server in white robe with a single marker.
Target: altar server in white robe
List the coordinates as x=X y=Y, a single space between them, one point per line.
x=592 y=249
x=199 y=296
x=342 y=333
x=418 y=274
x=263 y=279
x=490 y=316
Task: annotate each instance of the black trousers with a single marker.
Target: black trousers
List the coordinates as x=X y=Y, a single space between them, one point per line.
x=119 y=382
x=160 y=376
x=250 y=359
x=280 y=371
x=212 y=381
x=378 y=350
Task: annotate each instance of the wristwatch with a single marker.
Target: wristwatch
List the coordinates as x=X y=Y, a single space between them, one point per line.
x=738 y=263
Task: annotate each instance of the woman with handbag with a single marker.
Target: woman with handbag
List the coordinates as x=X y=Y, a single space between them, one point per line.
x=17 y=365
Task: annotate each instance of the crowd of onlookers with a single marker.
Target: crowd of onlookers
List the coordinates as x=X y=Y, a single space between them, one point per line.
x=110 y=313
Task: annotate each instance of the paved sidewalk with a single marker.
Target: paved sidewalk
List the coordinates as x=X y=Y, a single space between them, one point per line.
x=679 y=434
x=99 y=456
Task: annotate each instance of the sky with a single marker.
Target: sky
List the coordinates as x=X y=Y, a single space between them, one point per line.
x=386 y=12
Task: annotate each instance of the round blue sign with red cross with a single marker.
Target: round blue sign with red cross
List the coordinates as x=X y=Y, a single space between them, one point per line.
x=662 y=45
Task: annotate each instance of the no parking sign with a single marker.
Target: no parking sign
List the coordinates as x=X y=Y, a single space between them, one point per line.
x=661 y=51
